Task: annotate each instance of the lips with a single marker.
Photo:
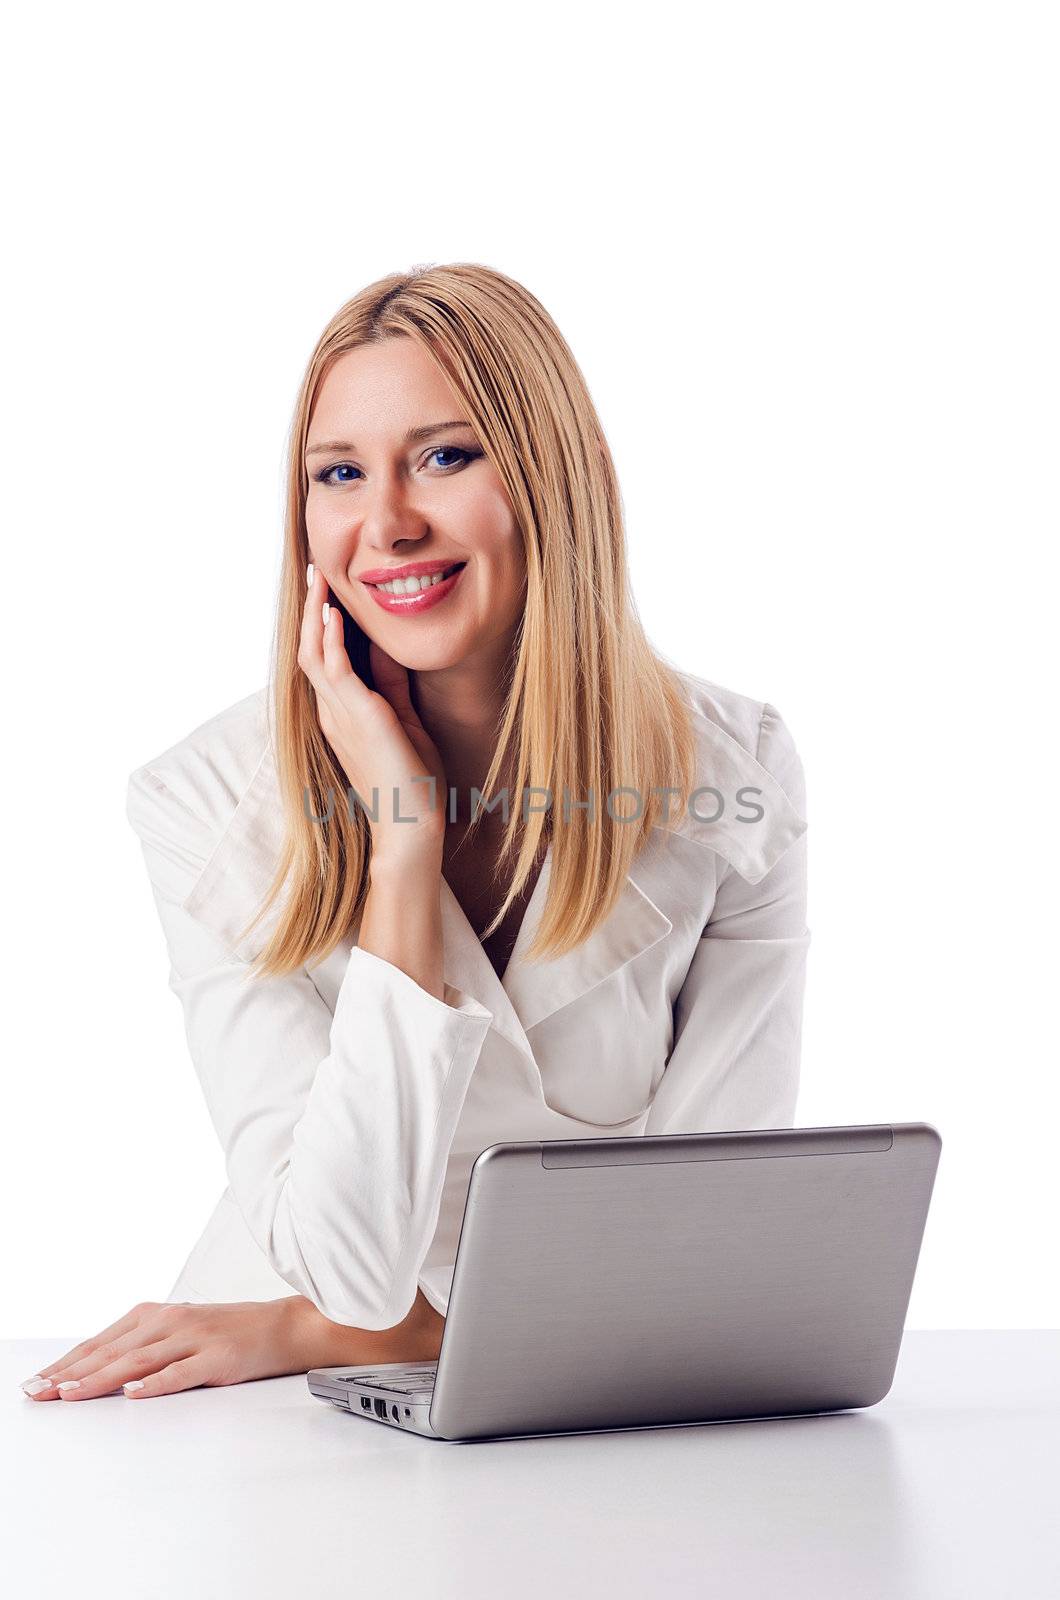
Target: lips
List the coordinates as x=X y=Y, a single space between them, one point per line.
x=416 y=569
x=414 y=604
x=391 y=578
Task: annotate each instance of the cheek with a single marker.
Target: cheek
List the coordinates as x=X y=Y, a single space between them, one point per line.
x=483 y=514
x=329 y=539
x=497 y=536
x=510 y=567
x=513 y=557
x=505 y=597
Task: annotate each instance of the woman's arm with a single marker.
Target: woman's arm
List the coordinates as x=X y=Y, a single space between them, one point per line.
x=321 y=1343
x=336 y=1130
x=161 y=1349
x=738 y=1017
x=401 y=921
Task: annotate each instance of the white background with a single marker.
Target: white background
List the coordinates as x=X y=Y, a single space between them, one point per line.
x=807 y=258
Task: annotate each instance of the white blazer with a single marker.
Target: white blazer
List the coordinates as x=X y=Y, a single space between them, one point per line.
x=351 y=1104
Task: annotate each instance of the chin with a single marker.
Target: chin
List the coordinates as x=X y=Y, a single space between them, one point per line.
x=431 y=660
x=425 y=656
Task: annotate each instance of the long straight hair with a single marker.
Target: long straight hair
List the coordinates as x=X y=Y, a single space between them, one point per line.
x=592 y=712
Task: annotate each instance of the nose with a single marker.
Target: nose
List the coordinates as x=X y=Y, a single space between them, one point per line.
x=389 y=521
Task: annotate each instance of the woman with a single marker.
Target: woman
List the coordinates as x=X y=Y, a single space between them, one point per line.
x=379 y=977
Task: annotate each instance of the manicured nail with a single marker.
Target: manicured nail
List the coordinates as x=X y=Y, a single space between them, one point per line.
x=134 y=1383
x=309 y=576
x=71 y=1383
x=36 y=1385
x=325 y=612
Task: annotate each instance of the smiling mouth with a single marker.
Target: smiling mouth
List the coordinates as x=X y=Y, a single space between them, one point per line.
x=421 y=586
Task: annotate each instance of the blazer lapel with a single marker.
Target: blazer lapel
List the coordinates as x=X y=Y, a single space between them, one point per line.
x=530 y=992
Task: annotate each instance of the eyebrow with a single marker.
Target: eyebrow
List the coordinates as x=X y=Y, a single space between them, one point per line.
x=413 y=434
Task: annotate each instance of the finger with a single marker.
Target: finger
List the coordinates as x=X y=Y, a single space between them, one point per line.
x=137 y=1366
x=336 y=661
x=311 y=633
x=138 y=1338
x=191 y=1372
x=116 y=1329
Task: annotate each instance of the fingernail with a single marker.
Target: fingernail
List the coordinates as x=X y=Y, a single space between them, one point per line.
x=309 y=576
x=325 y=612
x=134 y=1383
x=71 y=1383
x=36 y=1385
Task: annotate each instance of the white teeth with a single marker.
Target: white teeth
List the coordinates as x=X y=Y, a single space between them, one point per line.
x=411 y=585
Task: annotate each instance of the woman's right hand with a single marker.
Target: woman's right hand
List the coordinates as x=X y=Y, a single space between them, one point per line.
x=376 y=735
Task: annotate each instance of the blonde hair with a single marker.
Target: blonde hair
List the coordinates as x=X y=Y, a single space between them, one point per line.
x=590 y=708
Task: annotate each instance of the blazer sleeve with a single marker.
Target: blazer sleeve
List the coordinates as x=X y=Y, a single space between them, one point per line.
x=336 y=1130
x=734 y=1063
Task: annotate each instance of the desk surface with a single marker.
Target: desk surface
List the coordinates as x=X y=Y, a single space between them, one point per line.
x=946 y=1488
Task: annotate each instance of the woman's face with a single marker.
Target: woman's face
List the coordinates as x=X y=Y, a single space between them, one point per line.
x=380 y=499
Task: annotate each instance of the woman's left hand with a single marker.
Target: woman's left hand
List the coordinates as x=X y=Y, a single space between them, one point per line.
x=162 y=1348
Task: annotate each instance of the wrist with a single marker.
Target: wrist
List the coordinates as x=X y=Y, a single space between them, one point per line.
x=421 y=846
x=418 y=873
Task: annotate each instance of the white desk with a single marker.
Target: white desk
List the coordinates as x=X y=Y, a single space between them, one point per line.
x=946 y=1490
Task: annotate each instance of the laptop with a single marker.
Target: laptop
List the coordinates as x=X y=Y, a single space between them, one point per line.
x=662 y=1281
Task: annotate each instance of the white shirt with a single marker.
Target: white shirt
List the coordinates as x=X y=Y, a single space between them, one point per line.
x=351 y=1104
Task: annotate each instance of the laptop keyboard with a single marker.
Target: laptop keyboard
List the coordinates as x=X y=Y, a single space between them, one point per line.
x=407 y=1383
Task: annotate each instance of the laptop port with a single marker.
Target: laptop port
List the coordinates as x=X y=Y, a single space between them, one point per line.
x=380 y=1409
x=366 y=1404
x=394 y=1413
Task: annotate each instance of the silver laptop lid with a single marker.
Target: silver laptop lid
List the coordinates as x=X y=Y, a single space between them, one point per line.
x=684 y=1277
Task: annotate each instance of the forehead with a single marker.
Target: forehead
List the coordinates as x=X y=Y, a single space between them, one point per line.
x=379 y=388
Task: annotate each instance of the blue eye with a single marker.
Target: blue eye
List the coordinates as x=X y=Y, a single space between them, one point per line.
x=342 y=466
x=450 y=450
x=439 y=450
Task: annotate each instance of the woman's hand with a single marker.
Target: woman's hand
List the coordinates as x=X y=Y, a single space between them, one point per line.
x=165 y=1347
x=376 y=734
x=159 y=1349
